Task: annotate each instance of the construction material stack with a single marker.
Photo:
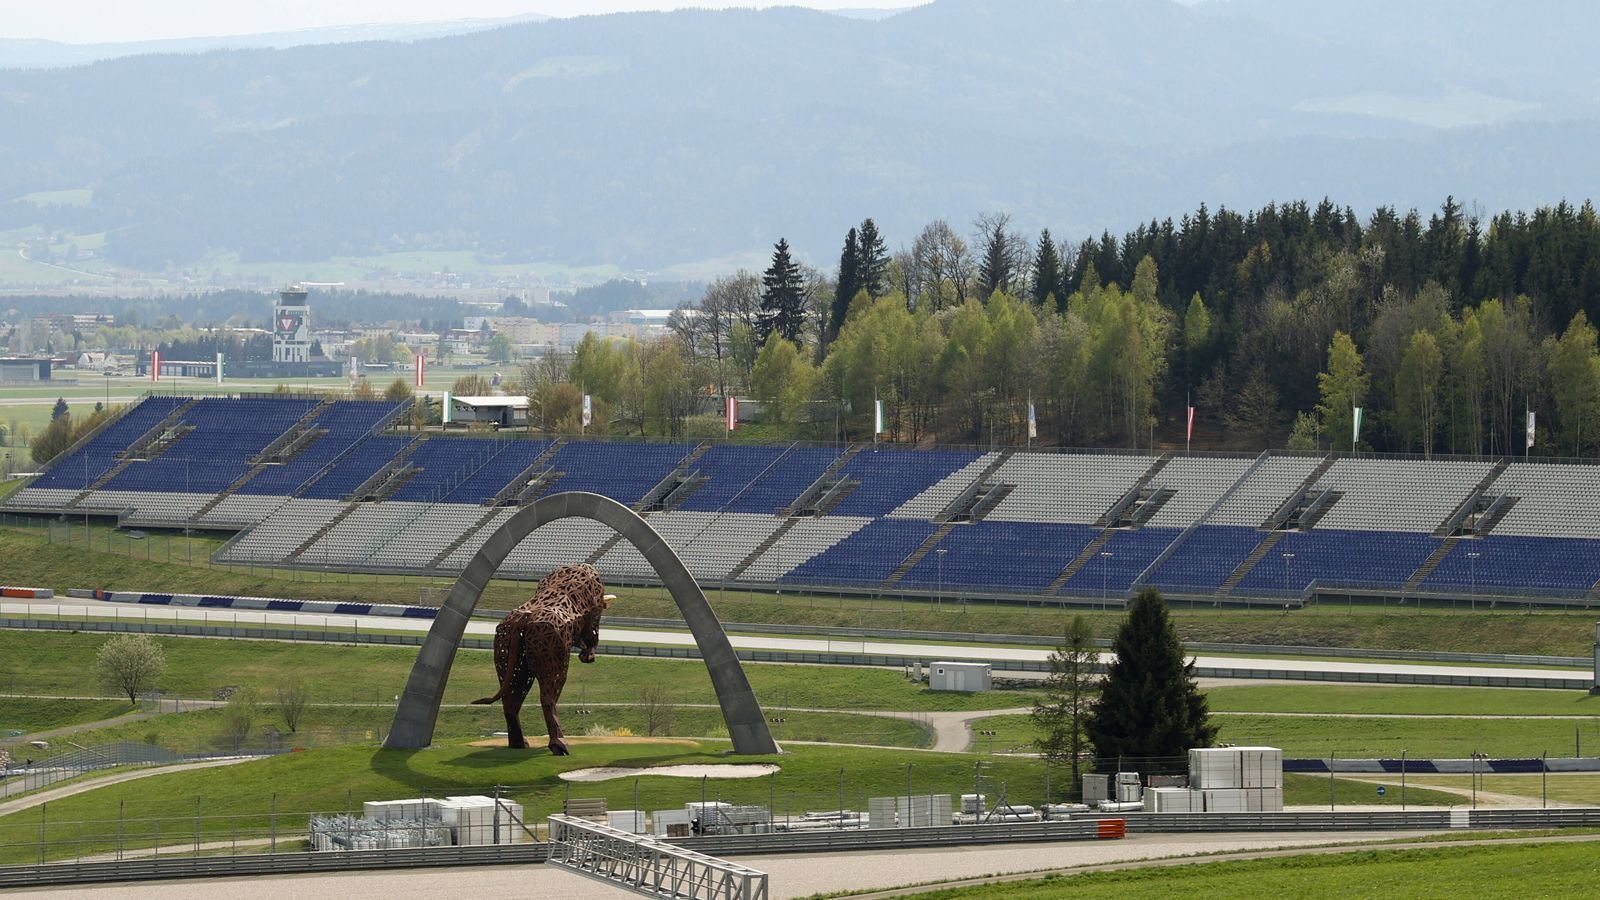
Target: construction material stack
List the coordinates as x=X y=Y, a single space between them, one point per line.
x=1237 y=779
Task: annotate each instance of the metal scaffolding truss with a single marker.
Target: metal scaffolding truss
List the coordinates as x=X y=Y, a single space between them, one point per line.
x=642 y=864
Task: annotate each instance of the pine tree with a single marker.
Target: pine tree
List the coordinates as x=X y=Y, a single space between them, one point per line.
x=997 y=267
x=873 y=260
x=1062 y=714
x=783 y=308
x=848 y=285
x=59 y=410
x=1149 y=705
x=1046 y=271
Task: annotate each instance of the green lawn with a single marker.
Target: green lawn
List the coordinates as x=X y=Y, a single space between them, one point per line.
x=1562 y=787
x=1513 y=872
x=202 y=731
x=30 y=714
x=36 y=562
x=333 y=780
x=52 y=663
x=1312 y=790
x=1375 y=699
x=1370 y=738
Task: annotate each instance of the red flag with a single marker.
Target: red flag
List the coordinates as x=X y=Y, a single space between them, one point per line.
x=733 y=412
x=1190 y=435
x=422 y=369
x=155 y=365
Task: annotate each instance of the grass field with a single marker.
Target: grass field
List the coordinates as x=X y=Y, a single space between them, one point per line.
x=52 y=664
x=1371 y=738
x=1513 y=872
x=29 y=714
x=1561 y=787
x=1381 y=699
x=35 y=561
x=205 y=731
x=295 y=784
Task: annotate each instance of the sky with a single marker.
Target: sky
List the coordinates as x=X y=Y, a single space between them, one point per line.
x=117 y=21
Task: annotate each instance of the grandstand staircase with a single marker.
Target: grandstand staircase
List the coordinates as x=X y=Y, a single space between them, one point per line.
x=512 y=494
x=281 y=450
x=1478 y=513
x=148 y=446
x=388 y=479
x=1081 y=560
x=975 y=502
x=1249 y=562
x=826 y=487
x=668 y=492
x=1133 y=507
x=676 y=487
x=349 y=508
x=463 y=537
x=1431 y=563
x=1304 y=507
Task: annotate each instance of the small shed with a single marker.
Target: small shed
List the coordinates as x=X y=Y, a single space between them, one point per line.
x=502 y=412
x=966 y=677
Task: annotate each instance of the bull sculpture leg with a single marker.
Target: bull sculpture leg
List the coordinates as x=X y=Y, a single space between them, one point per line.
x=550 y=685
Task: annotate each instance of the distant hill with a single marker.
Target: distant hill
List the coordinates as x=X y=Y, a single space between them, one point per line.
x=651 y=139
x=22 y=53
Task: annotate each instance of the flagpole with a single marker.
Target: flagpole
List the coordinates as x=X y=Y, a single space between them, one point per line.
x=1188 y=424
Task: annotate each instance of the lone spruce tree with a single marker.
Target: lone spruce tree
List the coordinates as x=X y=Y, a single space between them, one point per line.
x=1062 y=714
x=782 y=297
x=1149 y=704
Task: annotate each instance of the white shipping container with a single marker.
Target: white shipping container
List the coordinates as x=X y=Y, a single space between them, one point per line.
x=630 y=820
x=1130 y=793
x=1263 y=800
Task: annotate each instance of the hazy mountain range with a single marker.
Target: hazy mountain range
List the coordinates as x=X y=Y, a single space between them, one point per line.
x=652 y=139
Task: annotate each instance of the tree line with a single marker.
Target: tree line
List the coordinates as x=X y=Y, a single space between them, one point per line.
x=1275 y=324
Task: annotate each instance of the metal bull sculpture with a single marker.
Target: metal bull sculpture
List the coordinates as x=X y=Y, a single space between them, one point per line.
x=534 y=643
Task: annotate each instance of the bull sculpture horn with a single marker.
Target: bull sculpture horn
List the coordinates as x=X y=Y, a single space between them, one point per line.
x=608 y=598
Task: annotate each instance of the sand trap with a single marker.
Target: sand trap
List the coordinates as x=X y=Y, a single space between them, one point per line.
x=606 y=773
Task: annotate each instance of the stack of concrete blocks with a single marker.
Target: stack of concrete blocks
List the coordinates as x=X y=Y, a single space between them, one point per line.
x=384 y=825
x=1237 y=779
x=916 y=811
x=472 y=820
x=1173 y=800
x=922 y=811
x=1129 y=789
x=670 y=823
x=718 y=817
x=629 y=820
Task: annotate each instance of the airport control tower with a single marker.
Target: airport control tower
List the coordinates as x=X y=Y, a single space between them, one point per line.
x=291 y=327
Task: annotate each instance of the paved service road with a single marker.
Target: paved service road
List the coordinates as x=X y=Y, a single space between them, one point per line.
x=789 y=876
x=75 y=606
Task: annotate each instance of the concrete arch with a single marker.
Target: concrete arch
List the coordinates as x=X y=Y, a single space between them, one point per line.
x=418 y=711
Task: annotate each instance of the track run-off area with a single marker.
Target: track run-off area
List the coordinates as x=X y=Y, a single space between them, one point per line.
x=1241 y=666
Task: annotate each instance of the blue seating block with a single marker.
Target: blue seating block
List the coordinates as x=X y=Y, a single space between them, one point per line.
x=1507 y=563
x=749 y=479
x=1004 y=556
x=866 y=557
x=1131 y=553
x=1205 y=559
x=890 y=477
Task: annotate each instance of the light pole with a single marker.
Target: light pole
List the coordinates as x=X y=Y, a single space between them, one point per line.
x=1105 y=563
x=1472 y=565
x=1286 y=558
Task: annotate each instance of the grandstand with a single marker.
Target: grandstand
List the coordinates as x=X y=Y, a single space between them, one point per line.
x=330 y=484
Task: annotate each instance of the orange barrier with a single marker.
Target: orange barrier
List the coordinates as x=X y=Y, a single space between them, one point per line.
x=1113 y=828
x=26 y=593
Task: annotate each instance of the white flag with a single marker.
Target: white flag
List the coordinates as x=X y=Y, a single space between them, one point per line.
x=1530 y=429
x=1355 y=430
x=445 y=416
x=877 y=417
x=219 y=368
x=1033 y=422
x=588 y=411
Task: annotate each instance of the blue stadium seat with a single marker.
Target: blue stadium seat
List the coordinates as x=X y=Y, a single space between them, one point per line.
x=1131 y=553
x=890 y=477
x=1516 y=564
x=749 y=479
x=83 y=467
x=1205 y=559
x=866 y=557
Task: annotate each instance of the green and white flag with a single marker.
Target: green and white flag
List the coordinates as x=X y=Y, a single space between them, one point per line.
x=877 y=417
x=1355 y=431
x=445 y=415
x=219 y=368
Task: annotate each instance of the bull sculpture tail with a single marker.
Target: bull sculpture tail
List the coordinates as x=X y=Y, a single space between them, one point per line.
x=506 y=668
